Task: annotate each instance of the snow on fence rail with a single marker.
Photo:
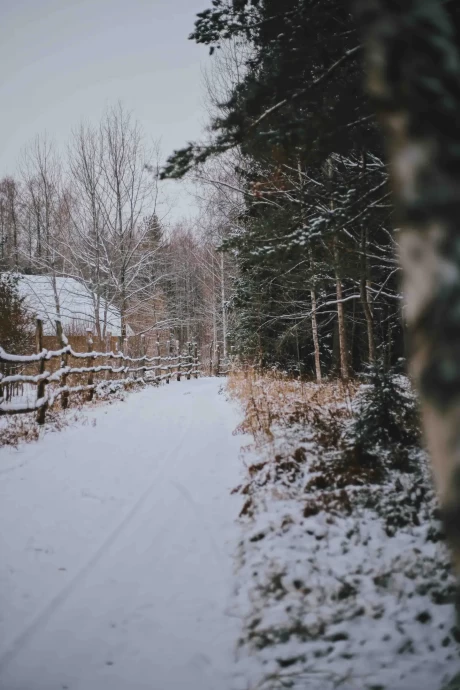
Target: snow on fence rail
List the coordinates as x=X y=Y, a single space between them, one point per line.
x=53 y=386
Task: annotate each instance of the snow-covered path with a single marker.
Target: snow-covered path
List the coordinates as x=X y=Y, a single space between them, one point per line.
x=116 y=547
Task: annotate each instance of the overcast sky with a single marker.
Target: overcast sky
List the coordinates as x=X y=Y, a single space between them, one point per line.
x=64 y=60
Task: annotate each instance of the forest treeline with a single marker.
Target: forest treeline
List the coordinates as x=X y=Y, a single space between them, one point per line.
x=292 y=260
x=94 y=212
x=318 y=285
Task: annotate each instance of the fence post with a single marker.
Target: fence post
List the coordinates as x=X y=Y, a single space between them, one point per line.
x=119 y=351
x=159 y=360
x=144 y=363
x=179 y=360
x=41 y=385
x=89 y=348
x=168 y=360
x=218 y=360
x=134 y=353
x=195 y=356
x=115 y=360
x=63 y=342
x=108 y=348
x=211 y=350
x=189 y=360
x=125 y=352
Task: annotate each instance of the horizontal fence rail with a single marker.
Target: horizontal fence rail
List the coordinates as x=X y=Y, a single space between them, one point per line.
x=118 y=369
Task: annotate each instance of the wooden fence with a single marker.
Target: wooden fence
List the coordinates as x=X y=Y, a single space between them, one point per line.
x=55 y=379
x=215 y=364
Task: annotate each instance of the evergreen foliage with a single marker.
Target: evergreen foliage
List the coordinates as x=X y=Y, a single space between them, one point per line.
x=386 y=414
x=313 y=247
x=303 y=84
x=16 y=324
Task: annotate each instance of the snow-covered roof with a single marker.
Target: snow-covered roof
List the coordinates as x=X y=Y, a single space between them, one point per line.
x=75 y=301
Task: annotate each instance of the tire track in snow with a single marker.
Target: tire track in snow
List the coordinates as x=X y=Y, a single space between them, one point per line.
x=61 y=597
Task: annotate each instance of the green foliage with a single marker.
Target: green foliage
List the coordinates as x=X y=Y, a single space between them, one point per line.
x=290 y=98
x=386 y=414
x=15 y=322
x=454 y=684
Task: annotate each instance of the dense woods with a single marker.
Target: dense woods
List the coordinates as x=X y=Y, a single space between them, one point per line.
x=317 y=289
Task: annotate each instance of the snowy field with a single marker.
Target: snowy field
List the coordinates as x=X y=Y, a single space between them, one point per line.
x=117 y=542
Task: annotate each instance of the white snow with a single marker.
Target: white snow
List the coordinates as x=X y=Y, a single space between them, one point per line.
x=76 y=304
x=330 y=598
x=116 y=547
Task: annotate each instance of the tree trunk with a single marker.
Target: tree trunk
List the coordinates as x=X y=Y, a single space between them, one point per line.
x=314 y=324
x=224 y=312
x=314 y=321
x=57 y=302
x=369 y=320
x=364 y=293
x=14 y=221
x=413 y=69
x=314 y=328
x=339 y=292
x=341 y=317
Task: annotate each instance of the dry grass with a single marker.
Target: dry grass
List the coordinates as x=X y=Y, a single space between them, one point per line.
x=301 y=432
x=15 y=430
x=24 y=428
x=337 y=548
x=285 y=417
x=273 y=398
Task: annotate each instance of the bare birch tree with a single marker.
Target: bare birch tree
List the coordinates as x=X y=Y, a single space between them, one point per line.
x=129 y=194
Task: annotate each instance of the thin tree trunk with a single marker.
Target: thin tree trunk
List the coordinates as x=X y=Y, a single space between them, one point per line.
x=15 y=231
x=224 y=312
x=57 y=302
x=3 y=233
x=351 y=339
x=343 y=347
x=314 y=320
x=123 y=272
x=369 y=320
x=364 y=293
x=314 y=328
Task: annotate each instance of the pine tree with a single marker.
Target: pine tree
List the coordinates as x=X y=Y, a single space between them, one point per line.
x=310 y=248
x=386 y=415
x=16 y=324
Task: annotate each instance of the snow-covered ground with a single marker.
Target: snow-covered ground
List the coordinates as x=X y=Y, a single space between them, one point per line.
x=123 y=564
x=343 y=580
x=117 y=536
